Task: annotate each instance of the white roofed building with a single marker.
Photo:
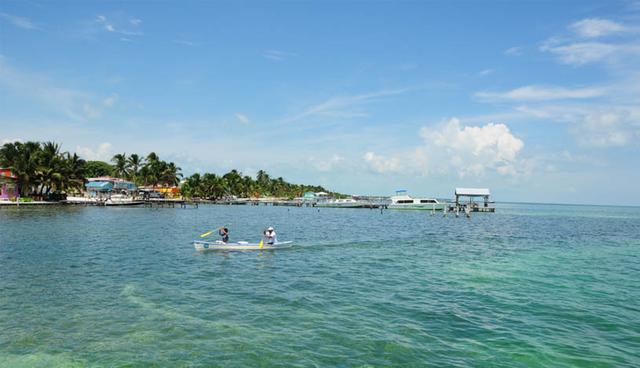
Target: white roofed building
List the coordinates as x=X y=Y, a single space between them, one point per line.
x=472 y=193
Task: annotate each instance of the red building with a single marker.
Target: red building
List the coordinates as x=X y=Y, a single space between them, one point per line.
x=8 y=185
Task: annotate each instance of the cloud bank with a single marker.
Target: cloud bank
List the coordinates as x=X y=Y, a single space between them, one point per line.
x=451 y=148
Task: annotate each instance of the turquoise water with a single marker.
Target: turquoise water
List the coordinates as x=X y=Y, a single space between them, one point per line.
x=528 y=286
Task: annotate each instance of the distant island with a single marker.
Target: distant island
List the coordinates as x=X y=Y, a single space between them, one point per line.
x=43 y=171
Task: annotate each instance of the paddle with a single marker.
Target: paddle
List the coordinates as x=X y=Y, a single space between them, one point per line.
x=206 y=234
x=209 y=232
x=261 y=245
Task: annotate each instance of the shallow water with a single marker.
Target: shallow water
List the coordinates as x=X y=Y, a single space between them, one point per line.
x=529 y=286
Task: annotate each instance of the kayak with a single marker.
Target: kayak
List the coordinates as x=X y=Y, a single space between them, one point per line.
x=218 y=245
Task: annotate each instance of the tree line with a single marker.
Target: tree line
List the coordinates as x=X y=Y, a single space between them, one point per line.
x=150 y=170
x=234 y=183
x=44 y=170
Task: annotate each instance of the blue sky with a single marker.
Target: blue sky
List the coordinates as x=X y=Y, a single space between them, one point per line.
x=539 y=101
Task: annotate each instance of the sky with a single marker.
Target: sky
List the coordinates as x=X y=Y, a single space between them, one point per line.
x=538 y=101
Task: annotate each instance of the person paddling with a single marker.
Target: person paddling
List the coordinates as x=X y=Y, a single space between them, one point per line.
x=224 y=233
x=270 y=235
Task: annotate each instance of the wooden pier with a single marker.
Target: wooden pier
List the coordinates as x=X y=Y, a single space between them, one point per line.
x=162 y=202
x=155 y=202
x=290 y=203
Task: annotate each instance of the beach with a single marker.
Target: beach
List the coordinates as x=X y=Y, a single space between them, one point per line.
x=529 y=286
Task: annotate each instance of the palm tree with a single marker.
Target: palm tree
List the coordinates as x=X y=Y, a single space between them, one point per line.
x=120 y=168
x=262 y=181
x=234 y=182
x=170 y=174
x=192 y=187
x=214 y=186
x=22 y=159
x=48 y=167
x=134 y=162
x=74 y=172
x=152 y=170
x=248 y=186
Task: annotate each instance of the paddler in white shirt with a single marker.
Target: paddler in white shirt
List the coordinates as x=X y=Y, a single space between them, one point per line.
x=270 y=235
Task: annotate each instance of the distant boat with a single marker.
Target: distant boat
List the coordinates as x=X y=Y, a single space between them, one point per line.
x=122 y=200
x=341 y=203
x=402 y=201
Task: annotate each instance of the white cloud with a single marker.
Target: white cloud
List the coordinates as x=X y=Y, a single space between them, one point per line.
x=118 y=26
x=451 y=148
x=580 y=47
x=104 y=152
x=19 y=22
x=242 y=118
x=344 y=106
x=594 y=125
x=486 y=72
x=474 y=150
x=111 y=100
x=90 y=111
x=10 y=140
x=74 y=104
x=596 y=27
x=514 y=51
x=603 y=130
x=581 y=53
x=540 y=93
x=277 y=55
x=382 y=164
x=609 y=116
x=326 y=164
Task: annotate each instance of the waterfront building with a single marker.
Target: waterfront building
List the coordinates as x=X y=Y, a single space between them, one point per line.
x=472 y=194
x=104 y=186
x=8 y=185
x=309 y=196
x=160 y=192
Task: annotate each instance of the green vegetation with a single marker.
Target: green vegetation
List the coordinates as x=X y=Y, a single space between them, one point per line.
x=44 y=171
x=233 y=183
x=146 y=171
x=94 y=169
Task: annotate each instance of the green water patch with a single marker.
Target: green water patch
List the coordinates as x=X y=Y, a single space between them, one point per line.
x=173 y=314
x=40 y=360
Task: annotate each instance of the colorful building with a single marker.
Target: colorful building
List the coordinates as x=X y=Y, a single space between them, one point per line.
x=104 y=185
x=160 y=192
x=8 y=185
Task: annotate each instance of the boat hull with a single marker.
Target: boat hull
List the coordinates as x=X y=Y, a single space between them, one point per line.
x=203 y=246
x=338 y=205
x=123 y=203
x=418 y=207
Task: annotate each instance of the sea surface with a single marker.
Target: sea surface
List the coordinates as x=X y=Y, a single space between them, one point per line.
x=529 y=286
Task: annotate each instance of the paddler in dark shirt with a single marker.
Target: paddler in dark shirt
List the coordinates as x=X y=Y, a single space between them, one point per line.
x=224 y=233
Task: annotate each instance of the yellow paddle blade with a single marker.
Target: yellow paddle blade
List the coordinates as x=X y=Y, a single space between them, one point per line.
x=206 y=234
x=261 y=244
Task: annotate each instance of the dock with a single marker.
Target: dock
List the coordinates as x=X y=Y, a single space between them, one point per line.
x=153 y=202
x=291 y=203
x=166 y=202
x=30 y=203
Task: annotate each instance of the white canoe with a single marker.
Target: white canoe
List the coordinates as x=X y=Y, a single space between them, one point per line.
x=218 y=245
